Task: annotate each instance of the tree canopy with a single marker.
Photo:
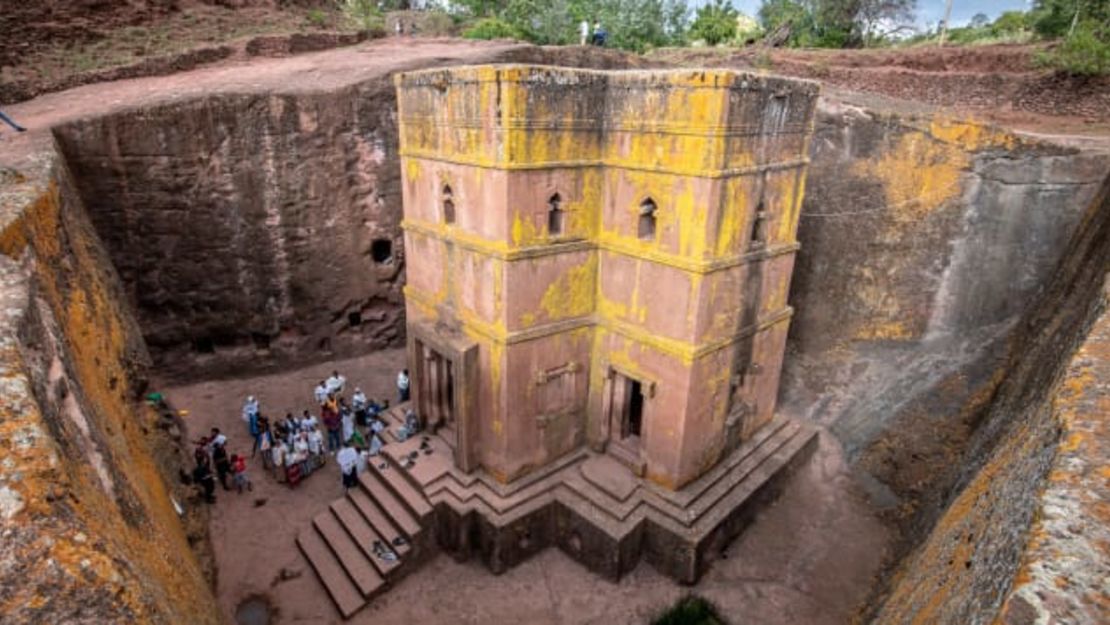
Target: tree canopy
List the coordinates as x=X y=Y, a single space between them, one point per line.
x=838 y=23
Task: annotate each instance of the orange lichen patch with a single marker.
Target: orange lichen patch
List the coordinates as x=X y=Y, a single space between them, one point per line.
x=885 y=331
x=151 y=573
x=923 y=170
x=1065 y=561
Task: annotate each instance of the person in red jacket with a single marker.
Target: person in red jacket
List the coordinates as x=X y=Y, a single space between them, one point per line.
x=239 y=471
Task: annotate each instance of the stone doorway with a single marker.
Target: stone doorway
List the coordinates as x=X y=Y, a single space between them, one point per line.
x=438 y=402
x=443 y=383
x=626 y=412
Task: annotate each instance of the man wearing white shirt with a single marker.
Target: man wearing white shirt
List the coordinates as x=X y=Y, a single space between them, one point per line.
x=403 y=385
x=335 y=383
x=300 y=453
x=250 y=409
x=308 y=421
x=321 y=392
x=347 y=458
x=315 y=442
x=216 y=439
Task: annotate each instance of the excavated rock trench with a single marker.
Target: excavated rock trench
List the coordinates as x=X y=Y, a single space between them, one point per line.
x=947 y=272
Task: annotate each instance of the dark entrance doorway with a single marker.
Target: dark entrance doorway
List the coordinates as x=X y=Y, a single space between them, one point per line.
x=437 y=374
x=634 y=416
x=626 y=419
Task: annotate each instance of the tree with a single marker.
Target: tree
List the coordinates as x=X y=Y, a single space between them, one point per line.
x=632 y=24
x=1085 y=52
x=480 y=8
x=838 y=23
x=980 y=20
x=546 y=22
x=774 y=14
x=1009 y=23
x=1058 y=18
x=641 y=24
x=715 y=22
x=364 y=13
x=876 y=20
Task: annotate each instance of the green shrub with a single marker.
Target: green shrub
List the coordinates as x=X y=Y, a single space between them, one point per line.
x=363 y=13
x=1086 y=52
x=1009 y=23
x=437 y=23
x=690 y=610
x=492 y=28
x=715 y=23
x=316 y=18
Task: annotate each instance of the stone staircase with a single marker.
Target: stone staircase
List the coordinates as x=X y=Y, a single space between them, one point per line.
x=598 y=489
x=385 y=509
x=583 y=492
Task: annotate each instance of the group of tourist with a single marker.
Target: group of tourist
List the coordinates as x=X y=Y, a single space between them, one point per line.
x=210 y=456
x=293 y=447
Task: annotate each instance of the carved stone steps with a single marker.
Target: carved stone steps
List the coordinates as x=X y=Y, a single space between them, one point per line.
x=364 y=535
x=377 y=518
x=402 y=488
x=348 y=553
x=398 y=514
x=343 y=592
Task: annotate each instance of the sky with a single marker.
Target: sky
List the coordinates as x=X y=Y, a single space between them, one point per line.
x=931 y=11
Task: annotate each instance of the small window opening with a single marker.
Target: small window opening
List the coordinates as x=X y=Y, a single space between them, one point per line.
x=556 y=216
x=261 y=340
x=646 y=230
x=204 y=345
x=354 y=319
x=381 y=250
x=758 y=234
x=448 y=205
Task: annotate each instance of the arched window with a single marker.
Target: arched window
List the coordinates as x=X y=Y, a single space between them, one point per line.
x=646 y=229
x=758 y=235
x=556 y=216
x=448 y=205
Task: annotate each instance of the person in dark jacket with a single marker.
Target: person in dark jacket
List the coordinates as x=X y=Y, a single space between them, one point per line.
x=223 y=464
x=202 y=477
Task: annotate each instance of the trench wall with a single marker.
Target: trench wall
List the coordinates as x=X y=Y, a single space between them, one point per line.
x=934 y=256
x=1047 y=421
x=920 y=227
x=90 y=534
x=251 y=230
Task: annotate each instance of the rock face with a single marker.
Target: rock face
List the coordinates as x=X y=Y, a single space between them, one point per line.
x=251 y=230
x=919 y=228
x=1040 y=421
x=90 y=531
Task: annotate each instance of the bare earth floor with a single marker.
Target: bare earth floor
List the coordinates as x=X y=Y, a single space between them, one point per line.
x=808 y=559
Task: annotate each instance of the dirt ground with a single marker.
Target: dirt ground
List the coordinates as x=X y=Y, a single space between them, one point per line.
x=51 y=40
x=1002 y=84
x=808 y=559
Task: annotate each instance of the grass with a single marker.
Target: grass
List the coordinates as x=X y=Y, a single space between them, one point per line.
x=690 y=610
